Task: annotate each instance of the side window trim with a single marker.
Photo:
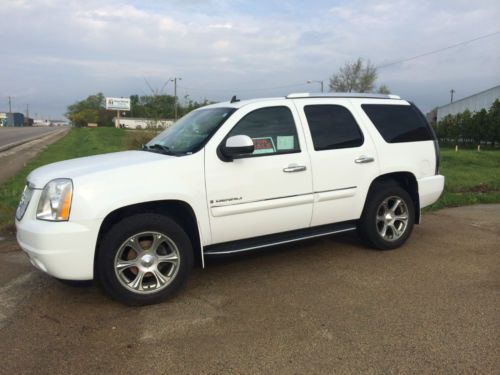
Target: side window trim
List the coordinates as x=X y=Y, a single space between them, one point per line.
x=295 y=151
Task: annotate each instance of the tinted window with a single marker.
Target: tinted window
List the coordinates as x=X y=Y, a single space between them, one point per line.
x=332 y=127
x=398 y=123
x=272 y=130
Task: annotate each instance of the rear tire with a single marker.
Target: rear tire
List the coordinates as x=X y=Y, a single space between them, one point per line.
x=144 y=259
x=388 y=217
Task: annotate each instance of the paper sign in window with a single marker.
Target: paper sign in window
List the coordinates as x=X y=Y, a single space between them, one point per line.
x=264 y=145
x=286 y=142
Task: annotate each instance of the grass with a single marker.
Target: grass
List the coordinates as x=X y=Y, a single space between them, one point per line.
x=137 y=138
x=77 y=143
x=471 y=177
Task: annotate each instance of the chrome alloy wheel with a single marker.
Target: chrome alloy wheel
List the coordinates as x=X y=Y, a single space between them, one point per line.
x=392 y=218
x=147 y=262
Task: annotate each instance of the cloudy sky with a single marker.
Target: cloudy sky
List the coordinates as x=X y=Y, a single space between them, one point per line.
x=54 y=52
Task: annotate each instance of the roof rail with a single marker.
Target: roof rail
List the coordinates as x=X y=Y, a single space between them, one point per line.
x=341 y=95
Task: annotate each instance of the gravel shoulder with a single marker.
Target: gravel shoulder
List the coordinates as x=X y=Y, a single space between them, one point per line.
x=323 y=306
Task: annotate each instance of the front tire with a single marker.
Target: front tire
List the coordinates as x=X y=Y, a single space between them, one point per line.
x=144 y=259
x=388 y=217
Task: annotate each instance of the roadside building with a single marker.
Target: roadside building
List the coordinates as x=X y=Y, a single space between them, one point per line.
x=11 y=119
x=473 y=103
x=28 y=121
x=41 y=122
x=142 y=123
x=59 y=123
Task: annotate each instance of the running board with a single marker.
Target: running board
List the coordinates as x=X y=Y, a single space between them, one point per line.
x=249 y=244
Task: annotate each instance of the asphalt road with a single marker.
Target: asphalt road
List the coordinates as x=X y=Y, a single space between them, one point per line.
x=9 y=135
x=326 y=306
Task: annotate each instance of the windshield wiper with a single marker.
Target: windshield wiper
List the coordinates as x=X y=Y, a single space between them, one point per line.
x=156 y=147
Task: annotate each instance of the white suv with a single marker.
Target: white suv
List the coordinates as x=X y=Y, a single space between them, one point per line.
x=228 y=178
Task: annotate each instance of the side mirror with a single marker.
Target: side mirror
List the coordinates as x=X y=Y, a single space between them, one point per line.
x=237 y=145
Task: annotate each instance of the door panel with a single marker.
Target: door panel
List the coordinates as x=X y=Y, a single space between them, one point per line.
x=341 y=176
x=264 y=193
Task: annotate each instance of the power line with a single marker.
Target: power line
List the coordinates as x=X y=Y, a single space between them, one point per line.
x=437 y=50
x=253 y=89
x=378 y=67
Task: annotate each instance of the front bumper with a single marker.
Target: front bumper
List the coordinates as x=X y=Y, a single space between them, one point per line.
x=61 y=249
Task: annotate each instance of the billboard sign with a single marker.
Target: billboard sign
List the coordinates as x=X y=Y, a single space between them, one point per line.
x=118 y=104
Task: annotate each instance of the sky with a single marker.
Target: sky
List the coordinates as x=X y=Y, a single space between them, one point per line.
x=55 y=52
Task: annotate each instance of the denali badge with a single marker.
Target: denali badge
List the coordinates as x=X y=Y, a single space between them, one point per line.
x=227 y=200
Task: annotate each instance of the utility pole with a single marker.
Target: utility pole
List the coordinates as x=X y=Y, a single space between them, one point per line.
x=175 y=96
x=452 y=92
x=28 y=114
x=320 y=82
x=10 y=106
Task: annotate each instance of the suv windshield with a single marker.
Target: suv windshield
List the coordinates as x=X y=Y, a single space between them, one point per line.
x=191 y=132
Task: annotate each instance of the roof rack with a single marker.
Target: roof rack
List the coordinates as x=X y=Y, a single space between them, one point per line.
x=341 y=95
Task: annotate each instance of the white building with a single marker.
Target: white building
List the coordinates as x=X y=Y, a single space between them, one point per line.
x=142 y=123
x=42 y=122
x=473 y=103
x=60 y=123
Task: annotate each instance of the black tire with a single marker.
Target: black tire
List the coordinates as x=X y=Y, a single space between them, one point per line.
x=76 y=283
x=115 y=240
x=368 y=226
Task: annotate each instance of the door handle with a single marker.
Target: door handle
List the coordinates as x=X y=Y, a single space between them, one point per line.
x=364 y=159
x=292 y=168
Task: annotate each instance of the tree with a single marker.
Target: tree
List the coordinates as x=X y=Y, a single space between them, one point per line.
x=356 y=76
x=158 y=107
x=154 y=107
x=383 y=89
x=90 y=110
x=494 y=121
x=480 y=126
x=465 y=125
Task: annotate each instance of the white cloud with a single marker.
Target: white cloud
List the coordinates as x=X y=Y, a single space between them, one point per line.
x=58 y=46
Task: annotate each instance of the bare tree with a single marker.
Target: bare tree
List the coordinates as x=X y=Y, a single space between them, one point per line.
x=357 y=76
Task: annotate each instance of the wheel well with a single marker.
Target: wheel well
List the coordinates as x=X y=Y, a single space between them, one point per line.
x=407 y=181
x=179 y=210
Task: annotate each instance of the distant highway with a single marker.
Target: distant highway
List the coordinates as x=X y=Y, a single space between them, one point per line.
x=12 y=135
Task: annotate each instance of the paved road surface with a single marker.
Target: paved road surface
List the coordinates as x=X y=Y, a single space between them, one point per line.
x=10 y=135
x=327 y=306
x=14 y=158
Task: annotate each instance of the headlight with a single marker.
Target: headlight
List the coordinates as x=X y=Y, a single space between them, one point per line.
x=25 y=200
x=55 y=201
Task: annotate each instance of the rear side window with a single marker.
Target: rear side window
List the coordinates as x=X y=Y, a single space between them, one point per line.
x=272 y=130
x=332 y=127
x=398 y=123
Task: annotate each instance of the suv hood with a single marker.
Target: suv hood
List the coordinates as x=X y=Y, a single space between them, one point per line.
x=92 y=164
